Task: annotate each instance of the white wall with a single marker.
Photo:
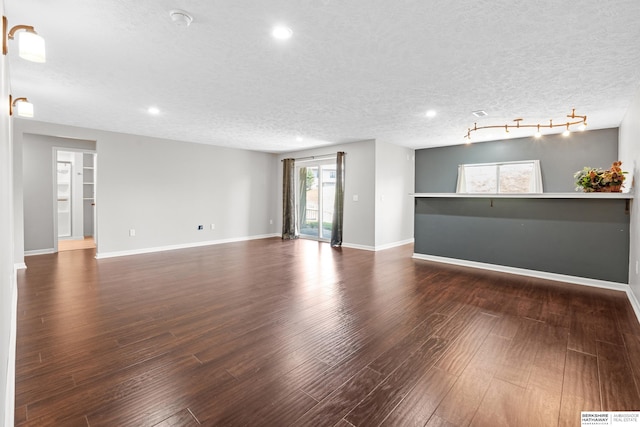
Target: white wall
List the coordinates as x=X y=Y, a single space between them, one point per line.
x=163 y=189
x=382 y=176
x=18 y=220
x=8 y=289
x=394 y=182
x=359 y=217
x=38 y=190
x=629 y=152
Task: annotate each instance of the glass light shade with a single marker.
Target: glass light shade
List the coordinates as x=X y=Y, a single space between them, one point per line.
x=24 y=109
x=31 y=47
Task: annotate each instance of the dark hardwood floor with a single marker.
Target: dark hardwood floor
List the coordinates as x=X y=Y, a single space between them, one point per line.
x=278 y=333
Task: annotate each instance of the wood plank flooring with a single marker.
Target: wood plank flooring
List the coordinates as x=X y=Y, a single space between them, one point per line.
x=278 y=333
x=72 y=245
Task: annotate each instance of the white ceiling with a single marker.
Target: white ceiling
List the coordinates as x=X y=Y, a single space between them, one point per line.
x=353 y=70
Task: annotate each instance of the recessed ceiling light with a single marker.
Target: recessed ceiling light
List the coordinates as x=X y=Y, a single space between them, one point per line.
x=153 y=110
x=431 y=113
x=299 y=138
x=281 y=32
x=479 y=113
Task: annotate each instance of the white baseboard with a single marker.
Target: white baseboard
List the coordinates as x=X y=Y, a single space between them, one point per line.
x=634 y=302
x=361 y=247
x=10 y=393
x=377 y=248
x=71 y=238
x=394 y=244
x=103 y=255
x=19 y=266
x=40 y=252
x=530 y=273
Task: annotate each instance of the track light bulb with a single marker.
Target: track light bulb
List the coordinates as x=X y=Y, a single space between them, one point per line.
x=538 y=134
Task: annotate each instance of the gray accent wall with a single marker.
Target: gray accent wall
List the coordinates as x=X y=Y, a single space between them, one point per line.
x=575 y=237
x=578 y=237
x=560 y=157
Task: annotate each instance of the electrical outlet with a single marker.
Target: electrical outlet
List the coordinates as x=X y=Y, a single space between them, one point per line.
x=355 y=197
x=213 y=226
x=200 y=227
x=132 y=232
x=271 y=222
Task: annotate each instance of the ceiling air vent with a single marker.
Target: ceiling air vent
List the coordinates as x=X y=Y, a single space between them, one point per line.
x=479 y=113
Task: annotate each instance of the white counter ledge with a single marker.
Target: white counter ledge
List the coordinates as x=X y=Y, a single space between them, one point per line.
x=576 y=195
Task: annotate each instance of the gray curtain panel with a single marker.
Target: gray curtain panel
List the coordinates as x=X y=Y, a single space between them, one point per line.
x=288 y=199
x=338 y=205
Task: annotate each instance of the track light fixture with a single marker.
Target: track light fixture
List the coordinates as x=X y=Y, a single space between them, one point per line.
x=581 y=122
x=30 y=44
x=21 y=105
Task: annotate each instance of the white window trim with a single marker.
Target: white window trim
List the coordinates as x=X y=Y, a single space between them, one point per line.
x=536 y=182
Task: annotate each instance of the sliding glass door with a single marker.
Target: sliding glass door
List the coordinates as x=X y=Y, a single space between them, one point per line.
x=316 y=183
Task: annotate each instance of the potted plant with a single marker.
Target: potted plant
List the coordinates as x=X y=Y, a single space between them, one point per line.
x=613 y=178
x=600 y=180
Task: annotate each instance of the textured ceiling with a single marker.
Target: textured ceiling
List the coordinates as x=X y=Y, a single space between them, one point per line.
x=353 y=70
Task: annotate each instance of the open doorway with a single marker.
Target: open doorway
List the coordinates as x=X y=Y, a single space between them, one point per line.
x=75 y=199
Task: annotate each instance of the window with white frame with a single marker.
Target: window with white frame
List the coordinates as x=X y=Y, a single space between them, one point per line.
x=505 y=177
